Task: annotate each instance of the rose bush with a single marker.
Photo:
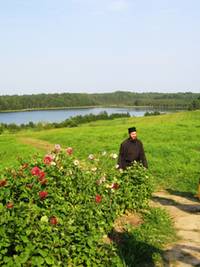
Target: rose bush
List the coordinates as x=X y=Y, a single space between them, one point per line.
x=55 y=210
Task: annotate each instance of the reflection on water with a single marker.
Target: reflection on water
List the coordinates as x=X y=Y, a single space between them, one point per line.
x=63 y=114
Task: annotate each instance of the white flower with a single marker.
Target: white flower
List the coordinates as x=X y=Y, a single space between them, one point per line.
x=113 y=156
x=76 y=162
x=53 y=163
x=91 y=157
x=117 y=166
x=103 y=179
x=104 y=153
x=94 y=169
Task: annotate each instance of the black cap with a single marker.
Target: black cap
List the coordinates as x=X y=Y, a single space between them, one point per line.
x=132 y=129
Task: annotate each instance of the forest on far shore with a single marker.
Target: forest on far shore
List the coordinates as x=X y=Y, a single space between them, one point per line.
x=185 y=100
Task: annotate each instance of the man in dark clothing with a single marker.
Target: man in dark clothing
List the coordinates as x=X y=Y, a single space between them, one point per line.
x=131 y=150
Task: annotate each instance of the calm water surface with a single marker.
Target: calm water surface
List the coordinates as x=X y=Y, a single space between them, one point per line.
x=63 y=114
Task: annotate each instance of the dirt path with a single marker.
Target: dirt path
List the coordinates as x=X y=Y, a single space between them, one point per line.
x=40 y=144
x=185 y=212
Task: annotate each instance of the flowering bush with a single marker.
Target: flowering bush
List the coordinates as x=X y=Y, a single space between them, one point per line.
x=57 y=214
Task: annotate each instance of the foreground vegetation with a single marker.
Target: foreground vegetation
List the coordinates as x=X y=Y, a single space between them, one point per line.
x=171 y=142
x=60 y=211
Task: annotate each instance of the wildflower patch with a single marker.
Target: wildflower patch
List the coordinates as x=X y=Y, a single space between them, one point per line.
x=55 y=210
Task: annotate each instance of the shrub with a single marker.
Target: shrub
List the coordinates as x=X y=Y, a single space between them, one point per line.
x=153 y=113
x=1 y=128
x=56 y=210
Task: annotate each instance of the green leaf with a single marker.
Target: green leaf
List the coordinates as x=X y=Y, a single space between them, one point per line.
x=37 y=260
x=25 y=239
x=49 y=260
x=1 y=206
x=43 y=252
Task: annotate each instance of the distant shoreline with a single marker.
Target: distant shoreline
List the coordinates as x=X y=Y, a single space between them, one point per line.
x=87 y=107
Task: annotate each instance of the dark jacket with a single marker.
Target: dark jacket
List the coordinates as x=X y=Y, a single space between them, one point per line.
x=131 y=150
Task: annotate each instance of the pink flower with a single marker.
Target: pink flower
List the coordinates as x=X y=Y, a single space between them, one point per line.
x=69 y=150
x=57 y=148
x=48 y=159
x=115 y=186
x=43 y=194
x=98 y=198
x=35 y=171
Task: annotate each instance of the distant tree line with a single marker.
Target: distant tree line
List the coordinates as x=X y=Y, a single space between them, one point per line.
x=153 y=113
x=119 y=98
x=71 y=122
x=195 y=104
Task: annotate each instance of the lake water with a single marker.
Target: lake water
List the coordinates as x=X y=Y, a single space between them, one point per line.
x=63 y=114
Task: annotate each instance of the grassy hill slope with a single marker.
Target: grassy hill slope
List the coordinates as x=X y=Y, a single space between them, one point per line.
x=171 y=143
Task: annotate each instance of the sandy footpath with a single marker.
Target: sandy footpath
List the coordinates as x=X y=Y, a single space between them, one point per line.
x=185 y=212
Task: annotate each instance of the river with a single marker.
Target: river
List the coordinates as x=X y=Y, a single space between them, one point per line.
x=58 y=115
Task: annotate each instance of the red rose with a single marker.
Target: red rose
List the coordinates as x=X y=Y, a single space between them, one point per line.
x=98 y=198
x=41 y=175
x=53 y=220
x=43 y=194
x=9 y=205
x=115 y=186
x=35 y=171
x=48 y=159
x=3 y=182
x=69 y=150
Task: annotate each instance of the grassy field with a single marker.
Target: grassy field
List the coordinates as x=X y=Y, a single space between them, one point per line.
x=11 y=149
x=172 y=148
x=171 y=143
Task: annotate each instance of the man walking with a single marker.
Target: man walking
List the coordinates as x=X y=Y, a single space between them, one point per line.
x=131 y=150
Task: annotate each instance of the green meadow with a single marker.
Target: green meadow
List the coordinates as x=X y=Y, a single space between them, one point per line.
x=171 y=142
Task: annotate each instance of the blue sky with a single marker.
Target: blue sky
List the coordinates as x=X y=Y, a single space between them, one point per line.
x=99 y=46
